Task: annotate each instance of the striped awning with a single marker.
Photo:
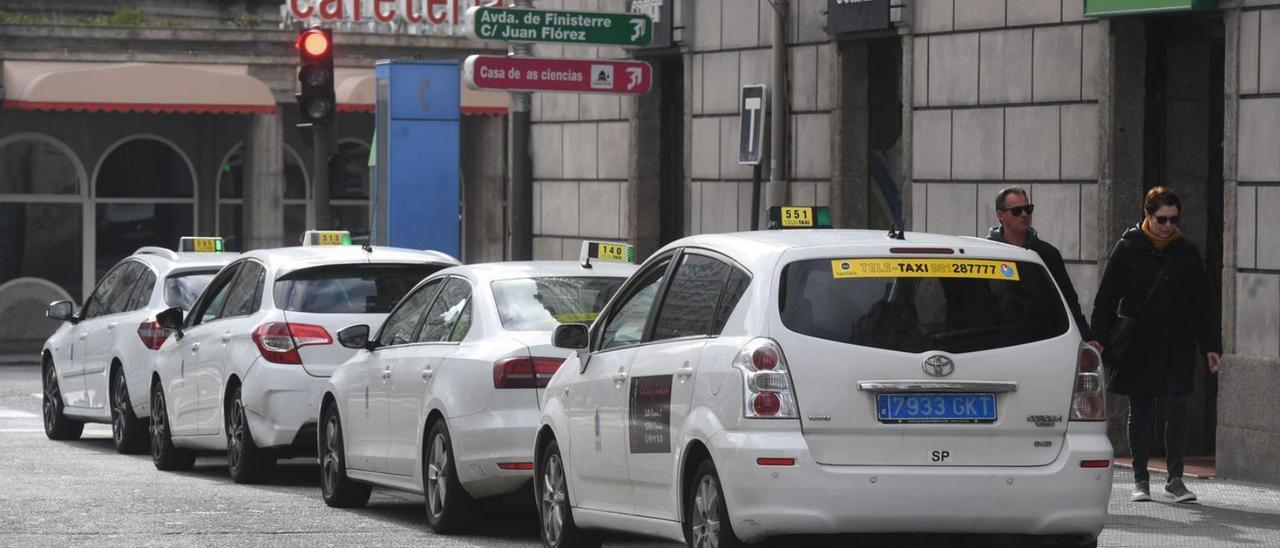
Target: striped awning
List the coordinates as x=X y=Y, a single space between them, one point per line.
x=355 y=90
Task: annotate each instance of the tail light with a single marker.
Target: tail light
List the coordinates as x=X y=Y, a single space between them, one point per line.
x=767 y=392
x=279 y=341
x=524 y=372
x=1088 y=397
x=152 y=334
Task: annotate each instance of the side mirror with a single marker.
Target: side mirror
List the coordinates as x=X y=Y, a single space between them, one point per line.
x=571 y=336
x=355 y=337
x=171 y=318
x=62 y=311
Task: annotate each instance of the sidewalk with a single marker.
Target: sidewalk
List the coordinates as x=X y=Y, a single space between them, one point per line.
x=1229 y=513
x=1192 y=467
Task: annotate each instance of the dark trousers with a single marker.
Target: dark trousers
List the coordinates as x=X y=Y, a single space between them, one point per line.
x=1141 y=416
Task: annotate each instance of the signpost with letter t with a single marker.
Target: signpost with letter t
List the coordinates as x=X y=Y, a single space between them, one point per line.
x=752 y=111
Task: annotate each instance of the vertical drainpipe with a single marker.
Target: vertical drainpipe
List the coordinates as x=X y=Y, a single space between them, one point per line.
x=776 y=190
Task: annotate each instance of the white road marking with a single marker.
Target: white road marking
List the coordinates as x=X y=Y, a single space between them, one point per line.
x=37 y=396
x=15 y=414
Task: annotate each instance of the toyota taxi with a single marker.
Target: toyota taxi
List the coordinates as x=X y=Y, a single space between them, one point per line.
x=95 y=366
x=444 y=400
x=744 y=386
x=242 y=368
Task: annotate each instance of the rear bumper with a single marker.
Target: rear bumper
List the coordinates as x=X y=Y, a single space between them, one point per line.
x=482 y=441
x=279 y=403
x=764 y=501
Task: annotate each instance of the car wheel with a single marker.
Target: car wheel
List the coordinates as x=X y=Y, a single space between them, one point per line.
x=706 y=519
x=551 y=489
x=449 y=508
x=128 y=432
x=339 y=490
x=163 y=453
x=245 y=460
x=56 y=425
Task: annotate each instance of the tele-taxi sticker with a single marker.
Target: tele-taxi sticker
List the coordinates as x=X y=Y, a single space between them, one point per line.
x=924 y=268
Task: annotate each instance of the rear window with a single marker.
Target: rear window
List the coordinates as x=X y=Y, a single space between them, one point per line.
x=181 y=289
x=540 y=304
x=908 y=309
x=348 y=289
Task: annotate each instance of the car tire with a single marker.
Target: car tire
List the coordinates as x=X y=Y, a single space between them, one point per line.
x=450 y=509
x=128 y=432
x=56 y=424
x=339 y=491
x=163 y=454
x=246 y=462
x=555 y=514
x=706 y=518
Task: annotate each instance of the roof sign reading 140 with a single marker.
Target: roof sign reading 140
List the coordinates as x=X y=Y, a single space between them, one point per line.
x=571 y=27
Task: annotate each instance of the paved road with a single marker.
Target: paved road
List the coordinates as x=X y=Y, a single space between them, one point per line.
x=83 y=493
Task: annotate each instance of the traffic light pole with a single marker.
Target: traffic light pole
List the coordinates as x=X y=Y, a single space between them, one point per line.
x=322 y=137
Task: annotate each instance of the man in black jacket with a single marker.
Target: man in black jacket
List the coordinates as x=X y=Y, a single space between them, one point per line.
x=1013 y=209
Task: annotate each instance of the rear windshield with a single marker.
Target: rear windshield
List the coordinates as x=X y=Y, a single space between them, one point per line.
x=348 y=289
x=917 y=305
x=181 y=289
x=540 y=304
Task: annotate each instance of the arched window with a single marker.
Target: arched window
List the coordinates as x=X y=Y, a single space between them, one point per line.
x=349 y=189
x=231 y=176
x=144 y=195
x=41 y=212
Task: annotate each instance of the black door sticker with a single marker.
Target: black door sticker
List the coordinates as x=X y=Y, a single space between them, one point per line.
x=650 y=414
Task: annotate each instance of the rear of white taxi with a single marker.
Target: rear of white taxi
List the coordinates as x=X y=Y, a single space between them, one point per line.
x=932 y=384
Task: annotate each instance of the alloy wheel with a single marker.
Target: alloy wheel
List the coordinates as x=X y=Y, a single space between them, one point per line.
x=159 y=423
x=52 y=397
x=235 y=435
x=329 y=463
x=706 y=518
x=554 y=495
x=119 y=409
x=437 y=476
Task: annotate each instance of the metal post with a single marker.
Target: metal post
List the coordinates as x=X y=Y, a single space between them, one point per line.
x=322 y=144
x=521 y=202
x=755 y=197
x=776 y=191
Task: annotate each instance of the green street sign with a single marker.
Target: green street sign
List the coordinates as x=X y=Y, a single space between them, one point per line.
x=1100 y=8
x=568 y=27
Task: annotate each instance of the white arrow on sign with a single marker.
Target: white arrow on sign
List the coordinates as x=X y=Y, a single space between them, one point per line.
x=753 y=104
x=637 y=29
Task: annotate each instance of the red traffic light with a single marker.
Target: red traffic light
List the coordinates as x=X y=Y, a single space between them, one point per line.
x=313 y=42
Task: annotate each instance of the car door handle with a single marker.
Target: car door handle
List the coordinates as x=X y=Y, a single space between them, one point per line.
x=111 y=326
x=226 y=336
x=386 y=374
x=619 y=377
x=84 y=335
x=684 y=372
x=427 y=373
x=195 y=347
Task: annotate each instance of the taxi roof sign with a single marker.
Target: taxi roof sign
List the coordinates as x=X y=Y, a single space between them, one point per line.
x=200 y=244
x=787 y=217
x=326 y=237
x=606 y=251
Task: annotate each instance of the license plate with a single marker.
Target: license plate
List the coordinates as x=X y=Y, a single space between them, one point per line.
x=936 y=408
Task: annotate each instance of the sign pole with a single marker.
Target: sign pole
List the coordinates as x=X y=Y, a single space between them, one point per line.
x=520 y=203
x=322 y=137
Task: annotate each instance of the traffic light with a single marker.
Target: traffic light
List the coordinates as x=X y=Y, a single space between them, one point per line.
x=316 y=100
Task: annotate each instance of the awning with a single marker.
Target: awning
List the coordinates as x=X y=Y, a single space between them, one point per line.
x=135 y=87
x=355 y=90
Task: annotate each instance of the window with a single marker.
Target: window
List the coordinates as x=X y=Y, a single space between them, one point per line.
x=145 y=189
x=349 y=190
x=540 y=304
x=349 y=289
x=689 y=307
x=42 y=214
x=120 y=298
x=451 y=306
x=921 y=314
x=112 y=284
x=626 y=324
x=733 y=291
x=400 y=325
x=245 y=294
x=214 y=296
x=182 y=288
x=142 y=294
x=231 y=177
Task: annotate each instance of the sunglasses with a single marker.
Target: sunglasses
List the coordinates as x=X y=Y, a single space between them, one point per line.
x=1161 y=219
x=1019 y=210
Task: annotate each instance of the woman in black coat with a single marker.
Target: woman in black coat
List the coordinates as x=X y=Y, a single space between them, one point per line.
x=1161 y=355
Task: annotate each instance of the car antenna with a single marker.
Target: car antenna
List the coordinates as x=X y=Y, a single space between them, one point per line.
x=368 y=248
x=895 y=232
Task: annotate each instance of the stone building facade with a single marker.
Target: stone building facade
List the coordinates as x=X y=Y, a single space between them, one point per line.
x=957 y=100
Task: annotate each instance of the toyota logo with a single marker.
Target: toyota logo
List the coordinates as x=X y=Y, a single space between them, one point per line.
x=938 y=365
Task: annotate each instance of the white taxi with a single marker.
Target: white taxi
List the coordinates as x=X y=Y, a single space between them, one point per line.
x=96 y=364
x=745 y=386
x=241 y=370
x=444 y=400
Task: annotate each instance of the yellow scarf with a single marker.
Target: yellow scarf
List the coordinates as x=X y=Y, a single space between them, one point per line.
x=1157 y=241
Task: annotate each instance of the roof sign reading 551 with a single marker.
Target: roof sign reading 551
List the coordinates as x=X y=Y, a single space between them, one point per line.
x=569 y=27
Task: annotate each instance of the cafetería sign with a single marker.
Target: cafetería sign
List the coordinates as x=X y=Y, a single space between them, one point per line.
x=415 y=17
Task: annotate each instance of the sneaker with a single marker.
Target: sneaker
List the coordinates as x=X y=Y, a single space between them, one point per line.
x=1141 y=492
x=1178 y=491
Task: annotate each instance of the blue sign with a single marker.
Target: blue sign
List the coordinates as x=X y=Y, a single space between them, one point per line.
x=417 y=189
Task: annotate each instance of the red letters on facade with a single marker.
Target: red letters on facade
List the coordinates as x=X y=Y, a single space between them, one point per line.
x=386 y=11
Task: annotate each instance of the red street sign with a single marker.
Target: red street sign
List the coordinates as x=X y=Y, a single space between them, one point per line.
x=563 y=75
